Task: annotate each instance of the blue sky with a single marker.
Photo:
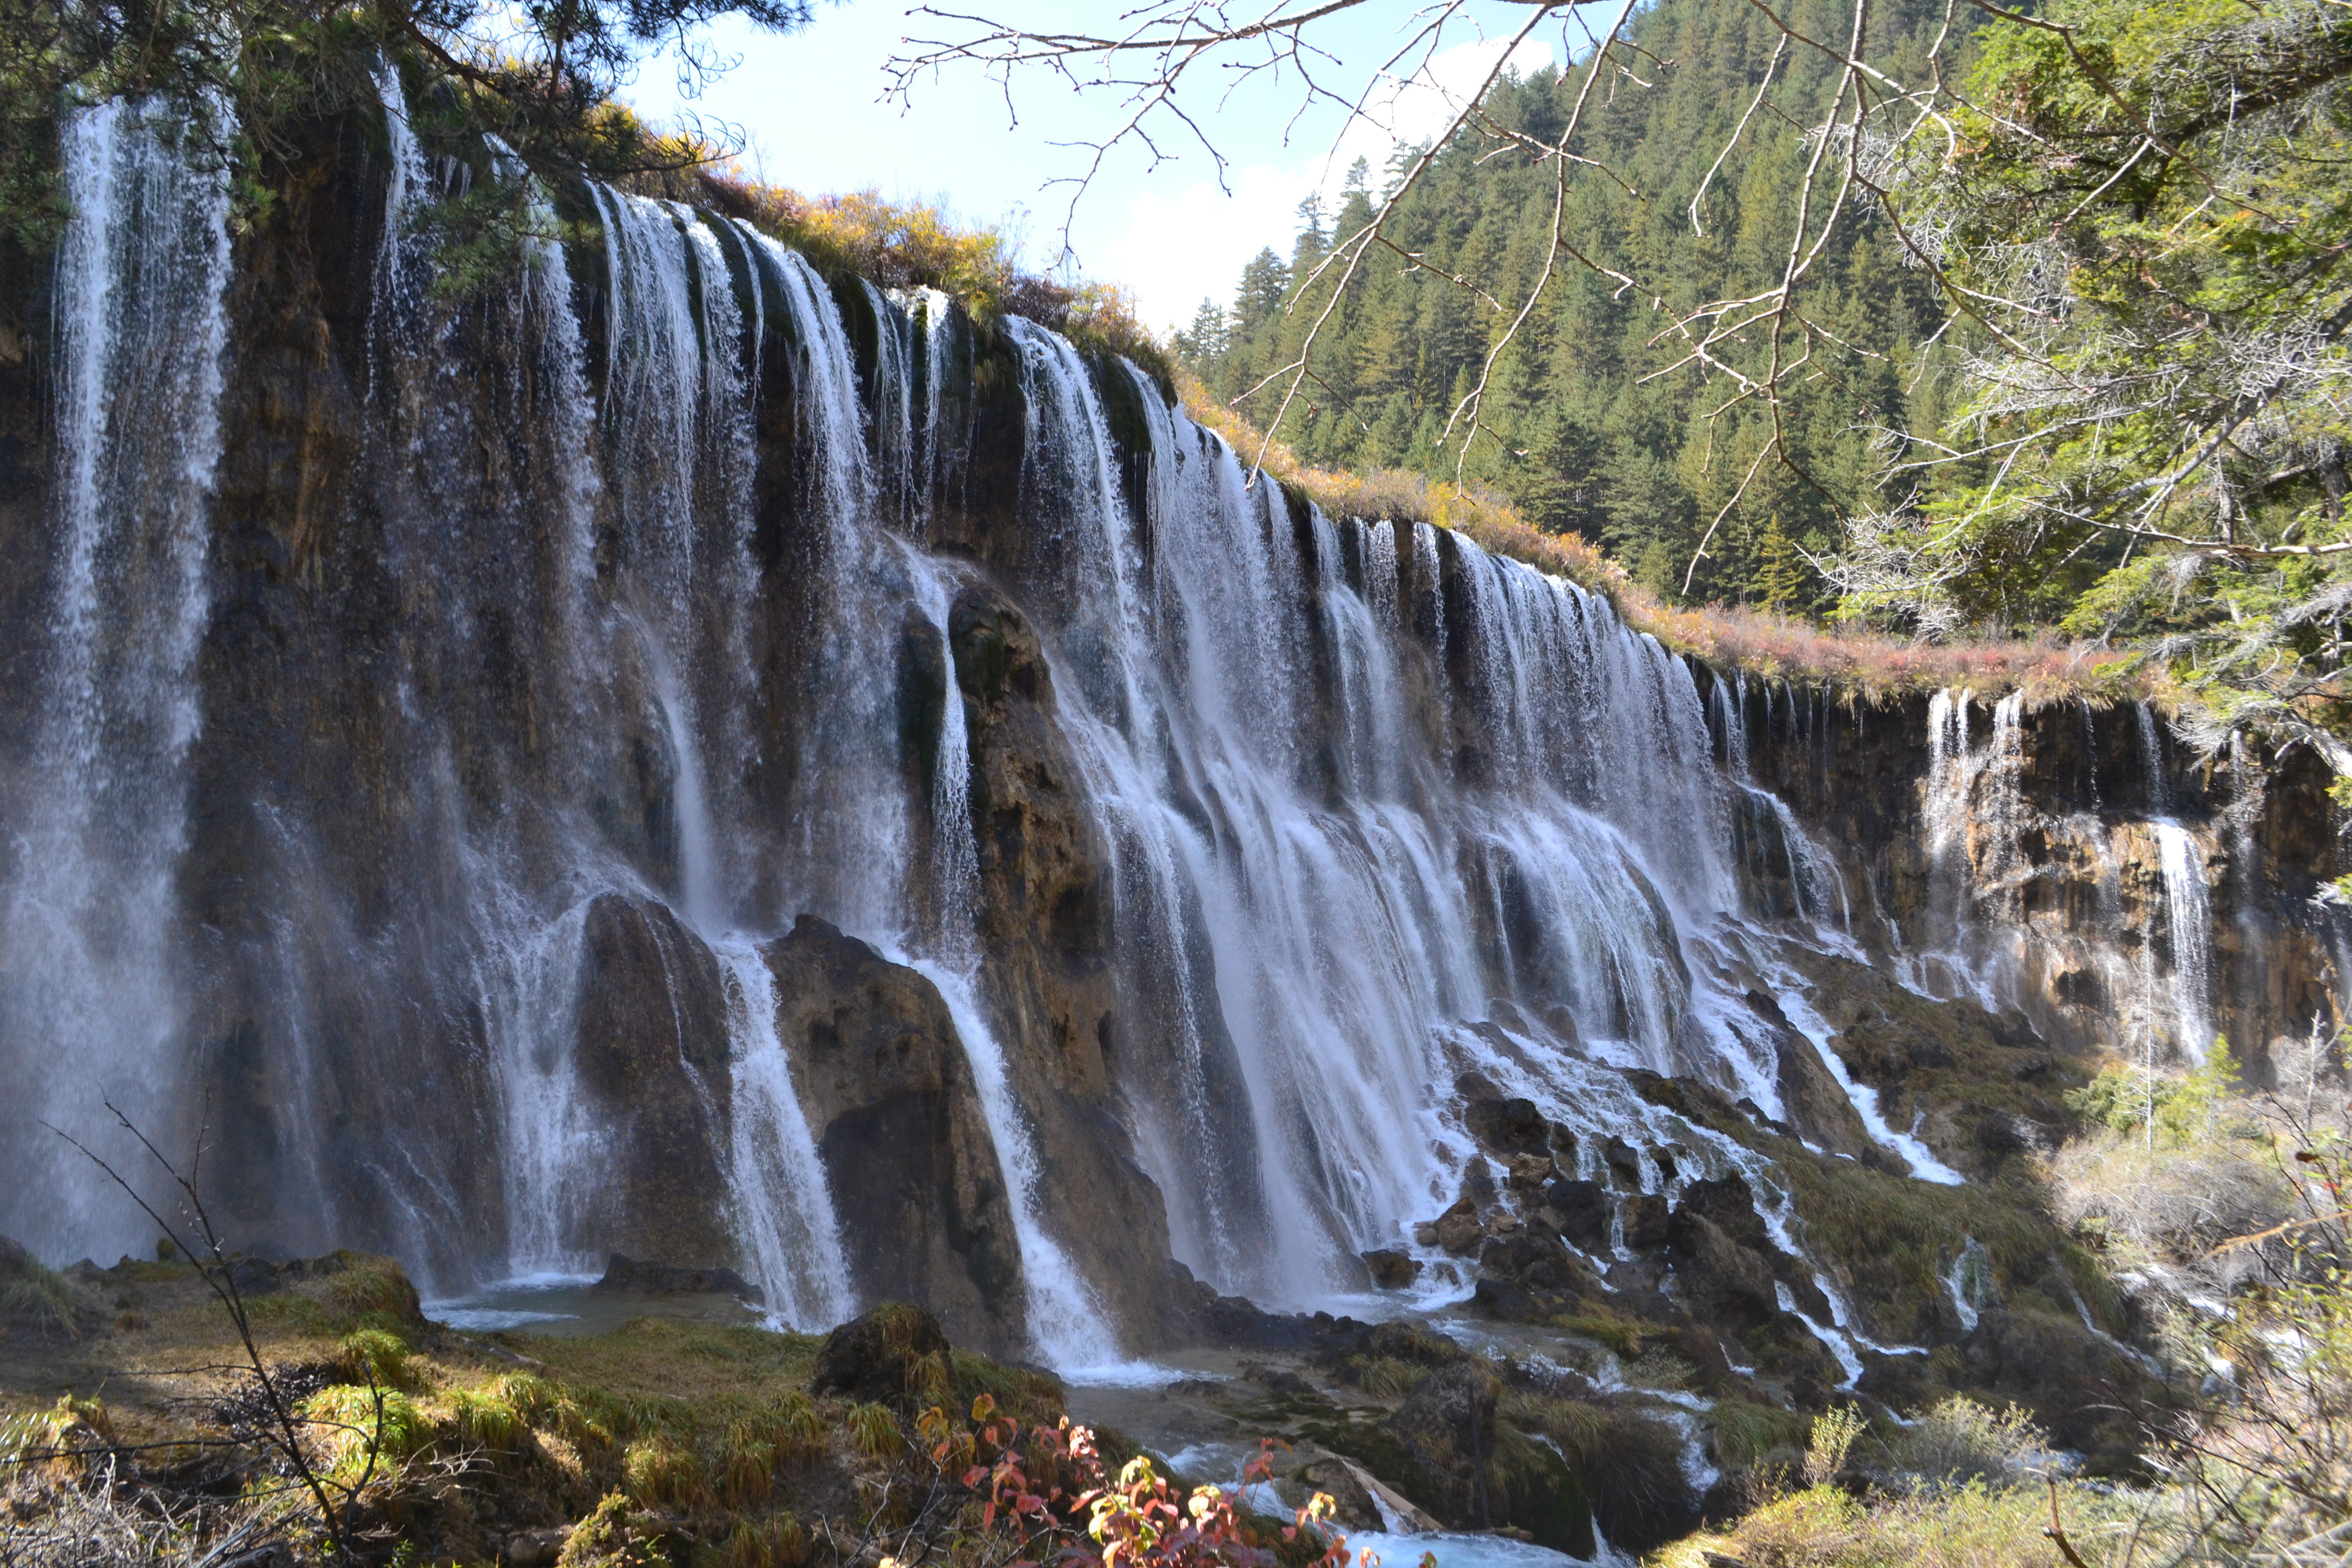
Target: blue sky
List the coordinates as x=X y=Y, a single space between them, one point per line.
x=808 y=105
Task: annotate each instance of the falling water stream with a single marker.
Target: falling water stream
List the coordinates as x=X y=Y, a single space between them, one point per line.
x=1380 y=809
x=95 y=818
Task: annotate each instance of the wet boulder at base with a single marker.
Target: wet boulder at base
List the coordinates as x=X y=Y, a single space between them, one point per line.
x=652 y=1053
x=630 y=1276
x=909 y=1158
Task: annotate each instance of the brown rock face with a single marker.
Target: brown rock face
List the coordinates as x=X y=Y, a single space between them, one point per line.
x=1458 y=1230
x=2052 y=864
x=889 y=1097
x=1046 y=924
x=652 y=1053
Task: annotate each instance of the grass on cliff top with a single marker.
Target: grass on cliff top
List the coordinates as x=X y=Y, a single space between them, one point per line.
x=1776 y=647
x=913 y=244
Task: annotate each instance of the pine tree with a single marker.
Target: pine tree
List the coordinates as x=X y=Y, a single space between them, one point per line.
x=1201 y=345
x=1265 y=281
x=1779 y=577
x=1313 y=239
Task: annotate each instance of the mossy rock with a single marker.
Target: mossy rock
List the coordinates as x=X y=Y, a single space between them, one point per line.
x=896 y=1354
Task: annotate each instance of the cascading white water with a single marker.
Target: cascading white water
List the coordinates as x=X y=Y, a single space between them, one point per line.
x=1309 y=902
x=88 y=910
x=2190 y=919
x=1382 y=808
x=785 y=1210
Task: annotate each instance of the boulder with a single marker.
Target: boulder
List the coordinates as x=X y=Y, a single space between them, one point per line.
x=1645 y=1221
x=1624 y=1162
x=1393 y=1269
x=889 y=1356
x=1529 y=1169
x=1584 y=1212
x=1458 y=1230
x=628 y=1276
x=882 y=1076
x=1506 y=1126
x=652 y=1053
x=1721 y=1282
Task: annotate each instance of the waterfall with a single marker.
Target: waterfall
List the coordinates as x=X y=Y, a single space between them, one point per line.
x=784 y=1211
x=649 y=606
x=88 y=912
x=2189 y=921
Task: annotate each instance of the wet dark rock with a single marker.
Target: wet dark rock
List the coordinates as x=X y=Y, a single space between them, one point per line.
x=1458 y=1230
x=629 y=1276
x=1815 y=1103
x=1506 y=1126
x=1195 y=1314
x=1393 y=1269
x=1583 y=1209
x=652 y=1053
x=1478 y=1184
x=1720 y=1280
x=1645 y=1221
x=1539 y=1261
x=1730 y=1204
x=888 y=1093
x=1624 y=1162
x=887 y=1356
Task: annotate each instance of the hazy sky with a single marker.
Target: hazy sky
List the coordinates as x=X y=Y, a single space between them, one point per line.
x=808 y=104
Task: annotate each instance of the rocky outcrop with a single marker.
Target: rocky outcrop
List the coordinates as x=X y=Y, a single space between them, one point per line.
x=652 y=1054
x=2024 y=847
x=912 y=1169
x=1045 y=922
x=633 y=1277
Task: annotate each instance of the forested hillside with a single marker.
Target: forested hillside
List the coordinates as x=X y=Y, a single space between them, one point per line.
x=1595 y=430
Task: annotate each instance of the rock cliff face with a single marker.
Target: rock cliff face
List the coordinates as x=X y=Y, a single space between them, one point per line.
x=682 y=756
x=2080 y=861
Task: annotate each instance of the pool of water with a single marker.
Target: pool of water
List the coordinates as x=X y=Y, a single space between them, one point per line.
x=564 y=1305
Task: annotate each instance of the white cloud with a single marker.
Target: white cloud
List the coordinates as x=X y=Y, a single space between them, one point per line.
x=1179 y=246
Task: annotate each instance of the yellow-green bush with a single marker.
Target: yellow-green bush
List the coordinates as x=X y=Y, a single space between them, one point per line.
x=874 y=1430
x=662 y=1470
x=778 y=1543
x=614 y=1536
x=375 y=1355
x=748 y=1465
x=485 y=1418
x=365 y=1433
